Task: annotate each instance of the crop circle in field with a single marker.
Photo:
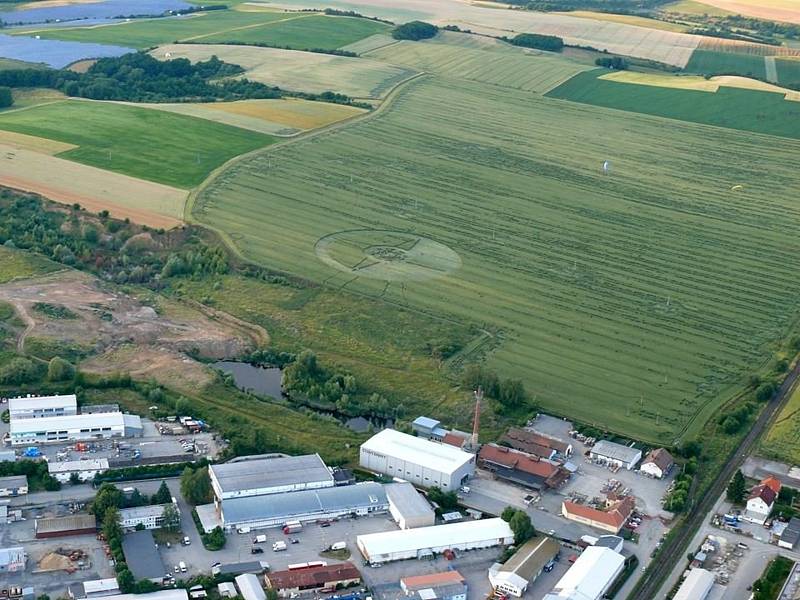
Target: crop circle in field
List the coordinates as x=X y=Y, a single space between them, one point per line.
x=387 y=255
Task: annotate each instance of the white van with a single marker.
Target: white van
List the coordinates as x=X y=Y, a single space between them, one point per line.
x=339 y=546
x=182 y=566
x=279 y=546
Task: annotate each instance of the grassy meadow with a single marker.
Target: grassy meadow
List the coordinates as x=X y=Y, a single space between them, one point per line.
x=713 y=62
x=16 y=263
x=736 y=108
x=639 y=300
x=158 y=146
x=782 y=441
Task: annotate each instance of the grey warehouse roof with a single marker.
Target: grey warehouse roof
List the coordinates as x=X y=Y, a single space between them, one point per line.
x=407 y=500
x=140 y=552
x=270 y=472
x=306 y=502
x=13 y=481
x=616 y=451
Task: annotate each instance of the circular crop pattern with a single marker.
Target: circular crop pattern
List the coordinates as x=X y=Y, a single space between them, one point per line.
x=387 y=255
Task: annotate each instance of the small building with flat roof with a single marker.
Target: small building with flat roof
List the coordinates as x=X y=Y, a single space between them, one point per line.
x=522 y=569
x=141 y=554
x=261 y=476
x=150 y=516
x=69 y=428
x=96 y=588
x=255 y=567
x=590 y=577
x=84 y=469
x=696 y=585
x=791 y=535
x=274 y=510
x=408 y=507
x=616 y=454
x=15 y=485
x=12 y=560
x=423 y=462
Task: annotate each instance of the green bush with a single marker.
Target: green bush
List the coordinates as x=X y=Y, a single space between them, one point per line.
x=538 y=41
x=6 y=99
x=415 y=31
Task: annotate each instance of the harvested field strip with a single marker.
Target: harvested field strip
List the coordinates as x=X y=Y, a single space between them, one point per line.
x=302 y=32
x=787 y=11
x=628 y=20
x=510 y=67
x=740 y=47
x=656 y=282
x=69 y=182
x=275 y=117
x=19 y=141
x=373 y=42
x=698 y=83
x=300 y=71
x=745 y=109
x=172 y=149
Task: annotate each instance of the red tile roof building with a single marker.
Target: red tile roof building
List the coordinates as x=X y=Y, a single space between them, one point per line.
x=313 y=578
x=520 y=467
x=611 y=519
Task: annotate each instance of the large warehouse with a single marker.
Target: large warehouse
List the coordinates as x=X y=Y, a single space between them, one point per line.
x=274 y=510
x=259 y=476
x=37 y=407
x=73 y=428
x=425 y=541
x=422 y=462
x=590 y=577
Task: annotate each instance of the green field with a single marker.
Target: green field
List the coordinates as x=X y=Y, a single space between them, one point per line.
x=298 y=31
x=146 y=33
x=735 y=108
x=788 y=72
x=16 y=263
x=712 y=62
x=316 y=31
x=497 y=63
x=638 y=300
x=782 y=441
x=158 y=146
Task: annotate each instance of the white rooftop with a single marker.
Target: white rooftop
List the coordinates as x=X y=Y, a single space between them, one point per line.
x=696 y=585
x=142 y=512
x=616 y=451
x=407 y=540
x=67 y=422
x=69 y=466
x=250 y=587
x=591 y=574
x=42 y=402
x=439 y=457
x=97 y=586
x=176 y=594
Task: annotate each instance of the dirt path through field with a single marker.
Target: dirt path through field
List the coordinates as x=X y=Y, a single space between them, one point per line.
x=771 y=69
x=29 y=324
x=253 y=26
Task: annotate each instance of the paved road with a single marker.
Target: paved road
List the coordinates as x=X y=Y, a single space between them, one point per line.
x=676 y=547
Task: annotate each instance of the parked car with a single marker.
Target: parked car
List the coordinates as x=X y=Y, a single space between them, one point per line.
x=256 y=551
x=550 y=566
x=294 y=541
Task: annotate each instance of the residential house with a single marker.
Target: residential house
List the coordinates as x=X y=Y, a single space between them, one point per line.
x=658 y=463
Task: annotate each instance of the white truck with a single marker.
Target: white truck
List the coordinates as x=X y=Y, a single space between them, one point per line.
x=260 y=539
x=279 y=546
x=339 y=546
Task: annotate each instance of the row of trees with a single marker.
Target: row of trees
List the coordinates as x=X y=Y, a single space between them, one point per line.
x=538 y=41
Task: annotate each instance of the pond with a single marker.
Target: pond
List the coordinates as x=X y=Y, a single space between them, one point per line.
x=261 y=380
x=107 y=9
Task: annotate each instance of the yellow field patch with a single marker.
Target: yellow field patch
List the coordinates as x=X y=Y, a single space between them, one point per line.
x=94 y=189
x=22 y=141
x=698 y=83
x=628 y=20
x=82 y=65
x=772 y=10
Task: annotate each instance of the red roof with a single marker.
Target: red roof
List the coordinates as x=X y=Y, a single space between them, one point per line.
x=772 y=483
x=661 y=458
x=615 y=516
x=535 y=443
x=419 y=582
x=453 y=439
x=766 y=493
x=514 y=459
x=312 y=577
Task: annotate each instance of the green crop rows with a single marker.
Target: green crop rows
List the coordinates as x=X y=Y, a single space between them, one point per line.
x=713 y=62
x=158 y=146
x=638 y=300
x=748 y=110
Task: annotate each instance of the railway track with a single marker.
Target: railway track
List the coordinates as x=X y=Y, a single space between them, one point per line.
x=676 y=548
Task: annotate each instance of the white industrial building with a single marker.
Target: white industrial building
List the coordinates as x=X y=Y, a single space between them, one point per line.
x=696 y=586
x=249 y=587
x=150 y=517
x=616 y=454
x=590 y=577
x=12 y=560
x=274 y=510
x=260 y=476
x=14 y=485
x=407 y=506
x=74 y=428
x=518 y=572
x=85 y=469
x=422 y=462
x=424 y=542
x=37 y=407
x=96 y=588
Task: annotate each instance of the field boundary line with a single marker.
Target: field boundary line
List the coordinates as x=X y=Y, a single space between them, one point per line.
x=251 y=26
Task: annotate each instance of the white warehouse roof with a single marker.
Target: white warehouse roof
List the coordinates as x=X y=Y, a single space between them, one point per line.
x=70 y=466
x=67 y=422
x=421 y=538
x=263 y=473
x=176 y=594
x=41 y=403
x=696 y=586
x=616 y=451
x=590 y=576
x=438 y=457
x=250 y=587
